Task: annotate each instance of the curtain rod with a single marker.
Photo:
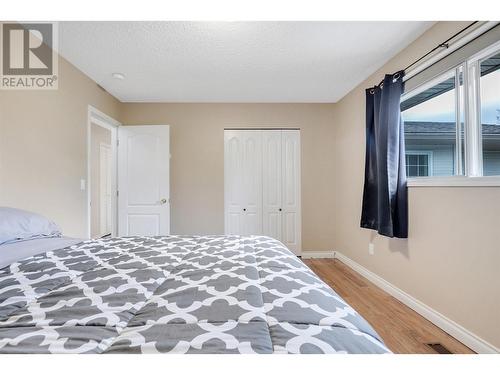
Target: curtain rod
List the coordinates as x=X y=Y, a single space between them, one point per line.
x=448 y=48
x=440 y=45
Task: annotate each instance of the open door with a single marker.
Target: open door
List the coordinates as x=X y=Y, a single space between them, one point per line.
x=102 y=133
x=143 y=180
x=105 y=189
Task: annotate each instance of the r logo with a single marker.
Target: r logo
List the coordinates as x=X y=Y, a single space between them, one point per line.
x=27 y=49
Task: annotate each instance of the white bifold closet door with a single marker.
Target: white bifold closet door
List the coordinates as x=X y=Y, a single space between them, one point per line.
x=262 y=184
x=272 y=184
x=243 y=182
x=290 y=196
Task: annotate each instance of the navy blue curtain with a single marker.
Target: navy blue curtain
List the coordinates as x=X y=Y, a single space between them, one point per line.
x=385 y=199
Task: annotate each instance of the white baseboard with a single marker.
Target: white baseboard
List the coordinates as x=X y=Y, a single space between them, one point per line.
x=317 y=254
x=452 y=328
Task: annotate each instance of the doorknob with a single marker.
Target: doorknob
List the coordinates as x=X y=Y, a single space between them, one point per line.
x=163 y=201
x=279 y=209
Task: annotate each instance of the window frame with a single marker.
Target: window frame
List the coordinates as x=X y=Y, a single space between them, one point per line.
x=474 y=103
x=470 y=105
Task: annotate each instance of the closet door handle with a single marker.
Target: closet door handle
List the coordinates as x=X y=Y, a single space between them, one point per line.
x=279 y=209
x=244 y=209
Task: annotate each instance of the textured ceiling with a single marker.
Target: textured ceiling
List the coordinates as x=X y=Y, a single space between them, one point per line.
x=233 y=61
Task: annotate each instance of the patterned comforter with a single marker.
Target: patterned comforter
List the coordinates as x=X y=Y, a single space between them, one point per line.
x=175 y=294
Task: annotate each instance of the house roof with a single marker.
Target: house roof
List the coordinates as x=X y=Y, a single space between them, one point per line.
x=429 y=127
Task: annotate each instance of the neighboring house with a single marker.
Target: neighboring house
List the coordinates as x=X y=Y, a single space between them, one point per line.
x=430 y=148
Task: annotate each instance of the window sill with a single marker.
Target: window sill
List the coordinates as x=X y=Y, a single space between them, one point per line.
x=454 y=181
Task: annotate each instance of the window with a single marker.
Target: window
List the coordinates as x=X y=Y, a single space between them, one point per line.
x=429 y=117
x=418 y=164
x=452 y=122
x=489 y=84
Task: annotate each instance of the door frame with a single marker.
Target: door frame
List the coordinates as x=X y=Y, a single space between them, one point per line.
x=96 y=117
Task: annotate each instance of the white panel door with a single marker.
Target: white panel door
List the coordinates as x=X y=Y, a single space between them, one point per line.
x=252 y=182
x=233 y=182
x=143 y=180
x=271 y=184
x=291 y=215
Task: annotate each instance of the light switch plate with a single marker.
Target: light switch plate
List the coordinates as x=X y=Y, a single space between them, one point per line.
x=371 y=249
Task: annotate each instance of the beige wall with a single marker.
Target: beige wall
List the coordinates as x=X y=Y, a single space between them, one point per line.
x=452 y=256
x=197 y=164
x=99 y=135
x=43 y=147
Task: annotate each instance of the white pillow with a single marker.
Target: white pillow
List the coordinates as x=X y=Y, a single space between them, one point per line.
x=19 y=225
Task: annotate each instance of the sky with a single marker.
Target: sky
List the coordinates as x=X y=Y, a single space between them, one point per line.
x=442 y=108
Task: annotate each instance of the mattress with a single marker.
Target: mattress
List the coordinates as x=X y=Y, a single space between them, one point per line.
x=14 y=251
x=175 y=294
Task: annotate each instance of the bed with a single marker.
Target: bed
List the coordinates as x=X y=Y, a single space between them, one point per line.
x=174 y=294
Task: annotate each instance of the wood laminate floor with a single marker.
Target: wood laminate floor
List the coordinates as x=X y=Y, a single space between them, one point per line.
x=402 y=329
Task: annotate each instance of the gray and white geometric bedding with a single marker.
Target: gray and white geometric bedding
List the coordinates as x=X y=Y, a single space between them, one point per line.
x=175 y=294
